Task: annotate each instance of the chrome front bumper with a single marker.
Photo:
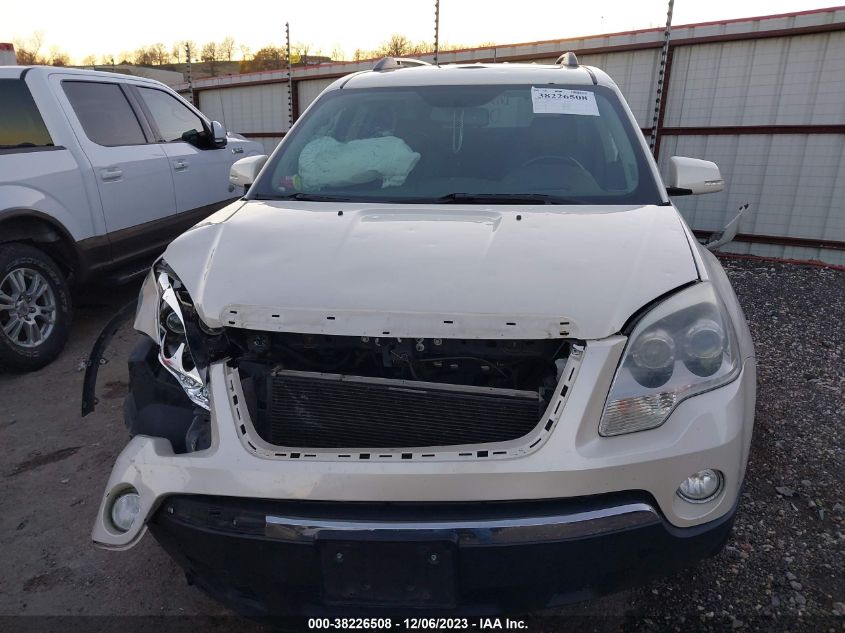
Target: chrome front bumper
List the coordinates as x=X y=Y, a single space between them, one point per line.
x=540 y=529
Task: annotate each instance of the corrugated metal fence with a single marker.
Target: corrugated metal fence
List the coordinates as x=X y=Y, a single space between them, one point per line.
x=762 y=97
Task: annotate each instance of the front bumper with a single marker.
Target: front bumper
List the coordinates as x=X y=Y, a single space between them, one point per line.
x=712 y=430
x=266 y=558
x=579 y=516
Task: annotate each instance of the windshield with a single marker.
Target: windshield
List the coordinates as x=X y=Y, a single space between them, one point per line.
x=469 y=144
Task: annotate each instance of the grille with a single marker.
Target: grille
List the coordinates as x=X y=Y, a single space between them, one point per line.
x=314 y=410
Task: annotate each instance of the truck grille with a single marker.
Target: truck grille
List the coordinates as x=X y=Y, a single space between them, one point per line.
x=316 y=410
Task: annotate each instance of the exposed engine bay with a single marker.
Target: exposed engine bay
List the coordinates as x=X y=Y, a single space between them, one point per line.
x=344 y=391
x=506 y=364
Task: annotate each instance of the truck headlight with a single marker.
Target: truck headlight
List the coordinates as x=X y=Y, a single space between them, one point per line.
x=684 y=346
x=173 y=335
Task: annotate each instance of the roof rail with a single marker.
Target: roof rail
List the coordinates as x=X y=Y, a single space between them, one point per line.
x=395 y=63
x=568 y=59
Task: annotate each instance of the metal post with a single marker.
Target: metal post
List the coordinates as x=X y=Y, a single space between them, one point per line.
x=290 y=76
x=436 y=30
x=660 y=76
x=188 y=71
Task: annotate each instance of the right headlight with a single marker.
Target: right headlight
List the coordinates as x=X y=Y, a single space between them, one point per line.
x=684 y=346
x=173 y=330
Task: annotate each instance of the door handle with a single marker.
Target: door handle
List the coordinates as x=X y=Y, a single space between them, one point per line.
x=180 y=164
x=111 y=173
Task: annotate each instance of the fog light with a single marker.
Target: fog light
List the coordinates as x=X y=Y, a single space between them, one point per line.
x=125 y=510
x=701 y=486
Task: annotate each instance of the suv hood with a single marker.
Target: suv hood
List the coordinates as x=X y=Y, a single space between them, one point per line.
x=452 y=271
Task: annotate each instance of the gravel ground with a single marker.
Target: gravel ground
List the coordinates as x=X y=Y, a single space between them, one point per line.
x=783 y=569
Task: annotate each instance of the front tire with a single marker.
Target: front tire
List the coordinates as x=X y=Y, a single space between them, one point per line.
x=35 y=308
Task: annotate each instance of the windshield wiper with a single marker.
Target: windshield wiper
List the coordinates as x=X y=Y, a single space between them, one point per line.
x=307 y=197
x=501 y=198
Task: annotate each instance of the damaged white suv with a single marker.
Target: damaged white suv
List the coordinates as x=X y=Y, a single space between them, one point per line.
x=454 y=351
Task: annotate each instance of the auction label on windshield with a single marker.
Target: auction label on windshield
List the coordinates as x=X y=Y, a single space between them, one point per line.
x=563 y=101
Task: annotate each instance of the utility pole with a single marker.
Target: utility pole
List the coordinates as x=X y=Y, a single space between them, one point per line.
x=436 y=30
x=290 y=76
x=660 y=76
x=188 y=72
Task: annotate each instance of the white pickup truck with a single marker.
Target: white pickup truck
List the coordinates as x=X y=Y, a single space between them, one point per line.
x=98 y=172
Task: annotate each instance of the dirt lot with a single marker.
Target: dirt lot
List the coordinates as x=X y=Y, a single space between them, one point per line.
x=784 y=568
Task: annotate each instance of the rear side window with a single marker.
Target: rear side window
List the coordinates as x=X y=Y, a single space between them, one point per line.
x=174 y=119
x=104 y=112
x=21 y=125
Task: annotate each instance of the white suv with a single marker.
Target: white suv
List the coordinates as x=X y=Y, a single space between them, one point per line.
x=455 y=351
x=98 y=172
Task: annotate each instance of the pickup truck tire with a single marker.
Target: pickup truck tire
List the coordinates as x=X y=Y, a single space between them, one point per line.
x=35 y=308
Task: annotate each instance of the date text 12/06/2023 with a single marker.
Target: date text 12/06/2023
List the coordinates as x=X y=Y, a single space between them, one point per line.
x=413 y=624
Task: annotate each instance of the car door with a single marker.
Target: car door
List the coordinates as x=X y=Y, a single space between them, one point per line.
x=131 y=169
x=200 y=170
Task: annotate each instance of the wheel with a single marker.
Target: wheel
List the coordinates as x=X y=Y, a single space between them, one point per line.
x=35 y=308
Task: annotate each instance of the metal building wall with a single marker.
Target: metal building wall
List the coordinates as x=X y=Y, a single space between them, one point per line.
x=762 y=97
x=310 y=89
x=635 y=72
x=256 y=111
x=769 y=113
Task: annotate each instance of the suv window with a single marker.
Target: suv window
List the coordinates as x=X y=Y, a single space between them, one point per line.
x=21 y=124
x=104 y=112
x=471 y=143
x=174 y=119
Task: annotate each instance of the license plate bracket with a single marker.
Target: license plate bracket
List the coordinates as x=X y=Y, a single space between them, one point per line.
x=388 y=573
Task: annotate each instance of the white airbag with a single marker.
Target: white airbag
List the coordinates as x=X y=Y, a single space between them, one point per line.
x=326 y=162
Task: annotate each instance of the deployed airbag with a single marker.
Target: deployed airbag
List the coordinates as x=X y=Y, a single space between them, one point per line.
x=326 y=162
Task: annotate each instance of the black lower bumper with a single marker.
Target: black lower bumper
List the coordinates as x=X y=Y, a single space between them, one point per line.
x=156 y=405
x=253 y=557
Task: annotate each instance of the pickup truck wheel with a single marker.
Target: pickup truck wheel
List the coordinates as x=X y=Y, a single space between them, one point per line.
x=35 y=308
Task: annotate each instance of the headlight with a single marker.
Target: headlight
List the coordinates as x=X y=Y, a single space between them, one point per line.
x=174 y=351
x=682 y=347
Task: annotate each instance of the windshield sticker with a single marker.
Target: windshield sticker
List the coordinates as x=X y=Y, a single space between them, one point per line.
x=562 y=101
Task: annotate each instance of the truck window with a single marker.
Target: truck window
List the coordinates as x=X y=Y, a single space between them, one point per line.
x=174 y=119
x=21 y=125
x=104 y=112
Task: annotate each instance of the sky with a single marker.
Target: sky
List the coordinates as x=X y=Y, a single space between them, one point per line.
x=85 y=27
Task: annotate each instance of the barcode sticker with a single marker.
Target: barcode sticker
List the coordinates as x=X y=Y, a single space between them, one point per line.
x=563 y=101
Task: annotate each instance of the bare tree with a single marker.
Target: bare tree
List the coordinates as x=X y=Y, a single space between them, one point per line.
x=337 y=53
x=227 y=48
x=397 y=46
x=299 y=53
x=210 y=54
x=159 y=54
x=29 y=51
x=195 y=50
x=267 y=58
x=422 y=48
x=176 y=52
x=142 y=57
x=89 y=60
x=58 y=57
x=246 y=52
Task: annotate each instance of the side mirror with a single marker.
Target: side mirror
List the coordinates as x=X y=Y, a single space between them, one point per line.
x=244 y=171
x=218 y=134
x=690 y=176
